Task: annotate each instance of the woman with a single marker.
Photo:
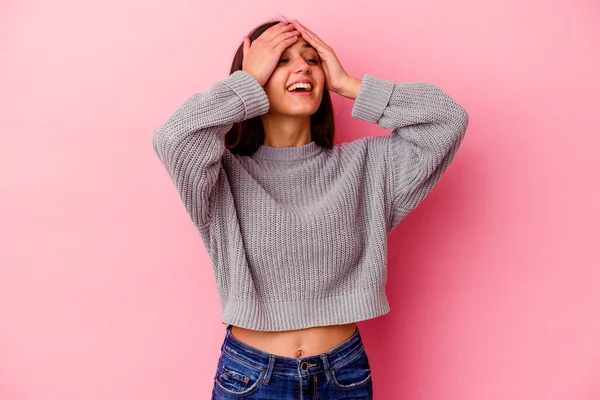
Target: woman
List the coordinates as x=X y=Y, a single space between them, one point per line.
x=295 y=225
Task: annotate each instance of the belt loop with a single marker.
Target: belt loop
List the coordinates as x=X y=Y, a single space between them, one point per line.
x=326 y=367
x=227 y=336
x=269 y=371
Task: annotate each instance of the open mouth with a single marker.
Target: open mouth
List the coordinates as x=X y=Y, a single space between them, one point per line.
x=300 y=88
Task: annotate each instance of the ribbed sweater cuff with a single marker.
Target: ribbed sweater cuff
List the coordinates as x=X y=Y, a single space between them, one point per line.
x=250 y=91
x=373 y=97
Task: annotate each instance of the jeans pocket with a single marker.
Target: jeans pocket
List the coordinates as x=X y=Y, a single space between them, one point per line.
x=352 y=373
x=236 y=377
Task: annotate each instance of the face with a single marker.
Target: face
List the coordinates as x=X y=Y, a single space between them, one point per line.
x=299 y=61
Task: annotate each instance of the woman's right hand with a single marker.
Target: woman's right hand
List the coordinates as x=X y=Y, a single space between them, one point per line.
x=262 y=55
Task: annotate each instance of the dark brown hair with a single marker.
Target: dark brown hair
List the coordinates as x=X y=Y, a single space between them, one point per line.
x=245 y=137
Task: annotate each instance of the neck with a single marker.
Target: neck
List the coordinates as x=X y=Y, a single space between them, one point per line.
x=286 y=130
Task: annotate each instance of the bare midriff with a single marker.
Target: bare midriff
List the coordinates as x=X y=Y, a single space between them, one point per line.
x=298 y=343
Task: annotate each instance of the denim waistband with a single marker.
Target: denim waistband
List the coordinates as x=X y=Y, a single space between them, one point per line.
x=275 y=364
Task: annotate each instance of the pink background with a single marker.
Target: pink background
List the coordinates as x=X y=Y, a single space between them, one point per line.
x=106 y=290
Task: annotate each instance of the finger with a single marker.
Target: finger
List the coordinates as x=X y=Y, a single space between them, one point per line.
x=282 y=18
x=304 y=29
x=284 y=36
x=318 y=42
x=278 y=35
x=285 y=43
x=310 y=35
x=275 y=30
x=320 y=47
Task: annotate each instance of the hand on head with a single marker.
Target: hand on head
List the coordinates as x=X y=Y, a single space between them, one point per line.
x=335 y=77
x=262 y=55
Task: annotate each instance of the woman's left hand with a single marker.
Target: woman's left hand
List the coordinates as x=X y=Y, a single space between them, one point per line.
x=336 y=79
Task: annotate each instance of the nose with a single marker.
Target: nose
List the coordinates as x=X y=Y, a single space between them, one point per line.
x=302 y=66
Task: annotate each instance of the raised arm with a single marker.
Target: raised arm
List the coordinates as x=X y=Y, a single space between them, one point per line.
x=191 y=142
x=429 y=127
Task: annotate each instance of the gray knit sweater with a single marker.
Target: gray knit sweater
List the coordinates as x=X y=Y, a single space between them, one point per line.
x=297 y=235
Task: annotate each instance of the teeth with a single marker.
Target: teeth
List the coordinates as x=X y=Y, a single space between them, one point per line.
x=307 y=86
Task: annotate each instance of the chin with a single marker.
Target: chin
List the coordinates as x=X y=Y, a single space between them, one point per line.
x=298 y=111
x=305 y=112
x=306 y=109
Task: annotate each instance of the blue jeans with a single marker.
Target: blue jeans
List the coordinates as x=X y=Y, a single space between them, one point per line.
x=246 y=372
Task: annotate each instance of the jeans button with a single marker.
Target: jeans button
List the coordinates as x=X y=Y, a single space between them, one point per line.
x=304 y=366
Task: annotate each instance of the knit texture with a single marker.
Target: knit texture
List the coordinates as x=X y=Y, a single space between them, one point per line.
x=297 y=235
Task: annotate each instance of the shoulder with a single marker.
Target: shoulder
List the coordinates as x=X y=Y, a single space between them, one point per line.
x=376 y=145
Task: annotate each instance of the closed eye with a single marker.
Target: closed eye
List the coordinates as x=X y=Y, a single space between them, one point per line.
x=310 y=60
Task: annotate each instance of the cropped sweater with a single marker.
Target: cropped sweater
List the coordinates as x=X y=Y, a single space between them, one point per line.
x=297 y=235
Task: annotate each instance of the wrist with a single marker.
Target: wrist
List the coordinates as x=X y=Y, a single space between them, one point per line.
x=351 y=88
x=258 y=79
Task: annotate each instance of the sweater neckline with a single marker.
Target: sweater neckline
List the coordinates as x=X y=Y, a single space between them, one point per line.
x=288 y=153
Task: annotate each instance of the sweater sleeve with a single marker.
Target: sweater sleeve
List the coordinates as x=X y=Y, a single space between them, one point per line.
x=428 y=128
x=191 y=142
